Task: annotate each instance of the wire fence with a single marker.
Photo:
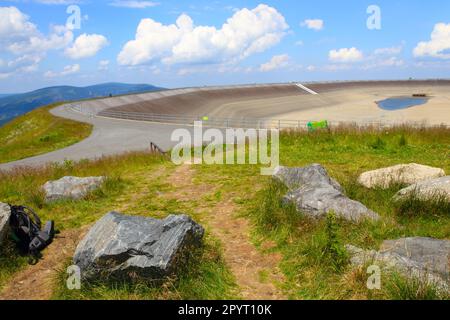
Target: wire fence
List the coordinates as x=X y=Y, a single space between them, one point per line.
x=254 y=123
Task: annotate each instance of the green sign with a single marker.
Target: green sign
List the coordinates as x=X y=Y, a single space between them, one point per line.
x=314 y=125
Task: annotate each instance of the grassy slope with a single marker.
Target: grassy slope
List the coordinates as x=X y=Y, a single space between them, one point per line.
x=39 y=132
x=133 y=181
x=310 y=273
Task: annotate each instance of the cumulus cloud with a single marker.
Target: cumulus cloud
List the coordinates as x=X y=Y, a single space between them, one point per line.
x=133 y=4
x=23 y=46
x=58 y=38
x=276 y=62
x=438 y=46
x=247 y=32
x=346 y=55
x=86 y=45
x=313 y=24
x=68 y=70
x=23 y=63
x=14 y=24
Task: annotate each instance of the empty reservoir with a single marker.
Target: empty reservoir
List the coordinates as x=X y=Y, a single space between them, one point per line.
x=401 y=103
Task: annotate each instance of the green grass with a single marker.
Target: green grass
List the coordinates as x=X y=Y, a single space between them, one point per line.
x=132 y=183
x=39 y=132
x=313 y=261
x=312 y=270
x=204 y=277
x=413 y=205
x=10 y=262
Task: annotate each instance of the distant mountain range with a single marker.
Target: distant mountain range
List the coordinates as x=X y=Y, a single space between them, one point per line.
x=14 y=105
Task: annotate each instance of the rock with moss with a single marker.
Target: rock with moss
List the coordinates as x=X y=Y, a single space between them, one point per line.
x=427 y=190
x=315 y=194
x=5 y=214
x=71 y=188
x=423 y=259
x=405 y=174
x=132 y=247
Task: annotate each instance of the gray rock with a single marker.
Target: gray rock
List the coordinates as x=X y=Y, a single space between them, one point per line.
x=5 y=214
x=404 y=173
x=128 y=247
x=426 y=190
x=315 y=194
x=71 y=188
x=312 y=175
x=424 y=259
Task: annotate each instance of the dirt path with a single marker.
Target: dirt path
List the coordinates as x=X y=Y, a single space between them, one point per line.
x=36 y=282
x=256 y=273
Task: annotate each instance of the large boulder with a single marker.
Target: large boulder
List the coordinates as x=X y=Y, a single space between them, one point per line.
x=427 y=190
x=5 y=214
x=424 y=259
x=402 y=174
x=130 y=247
x=73 y=188
x=315 y=194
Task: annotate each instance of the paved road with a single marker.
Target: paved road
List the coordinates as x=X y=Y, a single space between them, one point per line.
x=109 y=136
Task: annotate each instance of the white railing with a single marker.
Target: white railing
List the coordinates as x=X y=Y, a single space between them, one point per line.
x=261 y=123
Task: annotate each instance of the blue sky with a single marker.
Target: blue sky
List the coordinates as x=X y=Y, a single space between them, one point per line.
x=219 y=42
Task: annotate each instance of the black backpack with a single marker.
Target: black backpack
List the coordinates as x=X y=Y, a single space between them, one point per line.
x=26 y=231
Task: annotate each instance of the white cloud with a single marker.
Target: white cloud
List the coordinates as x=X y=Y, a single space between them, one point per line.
x=388 y=62
x=346 y=55
x=247 y=32
x=388 y=51
x=24 y=63
x=276 y=62
x=134 y=4
x=68 y=70
x=23 y=45
x=103 y=65
x=86 y=45
x=438 y=46
x=59 y=38
x=313 y=24
x=15 y=25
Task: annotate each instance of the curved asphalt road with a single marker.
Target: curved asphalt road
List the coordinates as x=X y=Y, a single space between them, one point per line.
x=109 y=137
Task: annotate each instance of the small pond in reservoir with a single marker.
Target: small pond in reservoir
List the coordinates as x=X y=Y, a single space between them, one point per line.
x=399 y=103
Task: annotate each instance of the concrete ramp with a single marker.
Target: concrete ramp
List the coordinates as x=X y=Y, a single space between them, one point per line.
x=306 y=89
